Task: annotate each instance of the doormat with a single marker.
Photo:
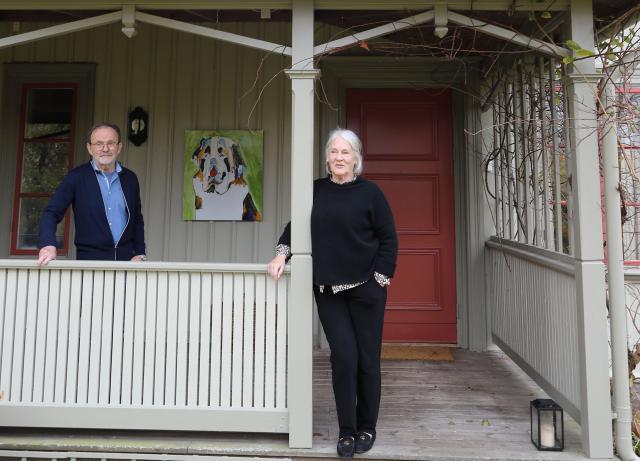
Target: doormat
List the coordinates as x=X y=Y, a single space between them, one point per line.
x=416 y=352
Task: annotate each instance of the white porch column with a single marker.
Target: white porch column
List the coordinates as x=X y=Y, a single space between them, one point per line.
x=595 y=406
x=302 y=74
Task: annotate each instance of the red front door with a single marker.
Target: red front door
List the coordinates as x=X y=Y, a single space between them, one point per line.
x=407 y=149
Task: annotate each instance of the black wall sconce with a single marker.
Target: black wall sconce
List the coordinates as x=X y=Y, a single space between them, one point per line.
x=138 y=126
x=547 y=425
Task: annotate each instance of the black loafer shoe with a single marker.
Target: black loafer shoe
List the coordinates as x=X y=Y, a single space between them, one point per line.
x=364 y=442
x=346 y=446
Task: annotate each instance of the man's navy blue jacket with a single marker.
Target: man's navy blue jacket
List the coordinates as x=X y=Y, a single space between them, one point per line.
x=93 y=237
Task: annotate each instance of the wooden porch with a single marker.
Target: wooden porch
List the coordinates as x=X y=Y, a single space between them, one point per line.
x=476 y=407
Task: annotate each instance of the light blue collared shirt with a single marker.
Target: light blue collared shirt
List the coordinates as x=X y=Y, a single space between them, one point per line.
x=115 y=205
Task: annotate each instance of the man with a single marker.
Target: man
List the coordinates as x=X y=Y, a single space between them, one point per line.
x=105 y=198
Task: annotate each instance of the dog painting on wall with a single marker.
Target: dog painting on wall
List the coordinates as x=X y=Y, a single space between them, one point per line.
x=223 y=176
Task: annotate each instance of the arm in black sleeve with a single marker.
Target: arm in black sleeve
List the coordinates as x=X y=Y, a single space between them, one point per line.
x=385 y=230
x=284 y=242
x=285 y=237
x=54 y=212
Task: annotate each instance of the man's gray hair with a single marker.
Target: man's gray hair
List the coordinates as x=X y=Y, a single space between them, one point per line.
x=113 y=126
x=353 y=140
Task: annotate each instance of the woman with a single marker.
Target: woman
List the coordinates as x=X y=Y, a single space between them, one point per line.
x=354 y=247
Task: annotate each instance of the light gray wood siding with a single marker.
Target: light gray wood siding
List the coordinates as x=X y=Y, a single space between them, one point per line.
x=184 y=82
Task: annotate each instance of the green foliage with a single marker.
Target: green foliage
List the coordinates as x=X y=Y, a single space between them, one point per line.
x=578 y=52
x=573 y=45
x=582 y=53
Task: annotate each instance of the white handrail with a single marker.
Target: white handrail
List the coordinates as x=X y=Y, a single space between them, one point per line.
x=163 y=266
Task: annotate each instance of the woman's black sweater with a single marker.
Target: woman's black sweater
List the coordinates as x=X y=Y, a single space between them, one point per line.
x=352 y=233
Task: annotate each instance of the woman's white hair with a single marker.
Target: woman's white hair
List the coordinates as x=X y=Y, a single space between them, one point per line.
x=353 y=140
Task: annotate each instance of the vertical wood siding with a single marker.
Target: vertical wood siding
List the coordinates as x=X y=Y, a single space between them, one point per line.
x=184 y=82
x=205 y=338
x=534 y=316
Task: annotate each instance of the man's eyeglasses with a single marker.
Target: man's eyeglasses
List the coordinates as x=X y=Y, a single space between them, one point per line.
x=100 y=145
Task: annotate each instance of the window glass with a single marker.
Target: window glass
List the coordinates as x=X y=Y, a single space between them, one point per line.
x=43 y=166
x=48 y=114
x=45 y=153
x=29 y=220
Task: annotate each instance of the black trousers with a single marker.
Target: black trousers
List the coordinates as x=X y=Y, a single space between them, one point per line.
x=352 y=321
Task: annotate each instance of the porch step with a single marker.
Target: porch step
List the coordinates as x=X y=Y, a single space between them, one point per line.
x=31 y=455
x=8 y=455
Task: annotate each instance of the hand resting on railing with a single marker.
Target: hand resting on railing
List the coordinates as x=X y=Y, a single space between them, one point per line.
x=275 y=267
x=47 y=254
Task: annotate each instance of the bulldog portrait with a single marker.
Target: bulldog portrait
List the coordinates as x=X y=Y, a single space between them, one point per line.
x=221 y=191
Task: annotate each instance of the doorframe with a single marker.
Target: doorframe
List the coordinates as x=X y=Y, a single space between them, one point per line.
x=341 y=73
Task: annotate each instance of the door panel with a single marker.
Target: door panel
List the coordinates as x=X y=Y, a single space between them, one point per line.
x=407 y=149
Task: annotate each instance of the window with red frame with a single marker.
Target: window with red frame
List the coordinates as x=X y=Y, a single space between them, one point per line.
x=629 y=138
x=45 y=155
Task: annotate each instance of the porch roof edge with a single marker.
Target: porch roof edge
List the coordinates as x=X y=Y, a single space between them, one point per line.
x=477 y=5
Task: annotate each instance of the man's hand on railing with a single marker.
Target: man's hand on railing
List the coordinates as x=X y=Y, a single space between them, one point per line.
x=276 y=266
x=47 y=254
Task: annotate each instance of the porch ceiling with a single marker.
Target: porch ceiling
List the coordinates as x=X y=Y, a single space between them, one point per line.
x=505 y=12
x=420 y=40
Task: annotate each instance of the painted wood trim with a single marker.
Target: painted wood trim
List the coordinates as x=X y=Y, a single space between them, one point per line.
x=547 y=258
x=487 y=5
x=142 y=266
x=24 y=455
x=216 y=341
x=549 y=388
x=508 y=35
x=379 y=31
x=139 y=417
x=259 y=354
x=60 y=29
x=213 y=33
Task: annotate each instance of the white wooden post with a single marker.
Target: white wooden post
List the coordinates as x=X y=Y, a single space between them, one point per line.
x=587 y=214
x=302 y=74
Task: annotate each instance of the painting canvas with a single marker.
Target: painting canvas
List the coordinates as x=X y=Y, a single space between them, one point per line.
x=223 y=175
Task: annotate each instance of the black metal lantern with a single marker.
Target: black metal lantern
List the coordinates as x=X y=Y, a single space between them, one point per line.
x=547 y=425
x=138 y=126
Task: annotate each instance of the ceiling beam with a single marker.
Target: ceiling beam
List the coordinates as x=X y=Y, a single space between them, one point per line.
x=508 y=35
x=455 y=18
x=357 y=37
x=61 y=29
x=213 y=33
x=128 y=15
x=417 y=5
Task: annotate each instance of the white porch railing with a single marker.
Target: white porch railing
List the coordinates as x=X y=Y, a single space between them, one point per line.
x=545 y=278
x=176 y=346
x=534 y=316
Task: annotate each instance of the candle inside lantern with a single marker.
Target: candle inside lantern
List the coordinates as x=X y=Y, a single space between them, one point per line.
x=547 y=432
